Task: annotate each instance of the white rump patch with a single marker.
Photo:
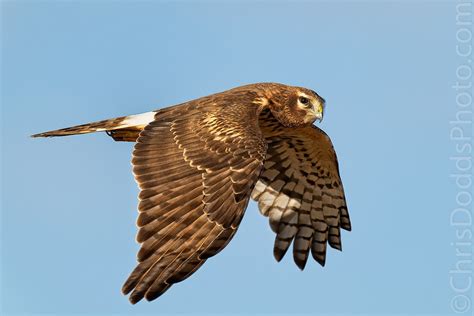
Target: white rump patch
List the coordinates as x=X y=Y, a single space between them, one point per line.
x=139 y=119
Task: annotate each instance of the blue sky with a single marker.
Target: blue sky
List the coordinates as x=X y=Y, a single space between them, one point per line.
x=69 y=205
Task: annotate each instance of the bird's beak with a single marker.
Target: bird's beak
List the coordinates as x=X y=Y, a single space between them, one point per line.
x=319 y=112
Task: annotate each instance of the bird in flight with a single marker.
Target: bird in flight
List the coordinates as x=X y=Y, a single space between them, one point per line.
x=197 y=164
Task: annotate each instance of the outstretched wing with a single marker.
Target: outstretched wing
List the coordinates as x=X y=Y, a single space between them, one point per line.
x=300 y=190
x=196 y=165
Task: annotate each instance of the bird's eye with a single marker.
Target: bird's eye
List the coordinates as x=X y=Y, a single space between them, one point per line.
x=304 y=100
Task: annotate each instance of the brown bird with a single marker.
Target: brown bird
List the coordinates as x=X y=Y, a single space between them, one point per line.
x=198 y=163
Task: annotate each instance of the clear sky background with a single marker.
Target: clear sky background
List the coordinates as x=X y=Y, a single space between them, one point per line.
x=69 y=204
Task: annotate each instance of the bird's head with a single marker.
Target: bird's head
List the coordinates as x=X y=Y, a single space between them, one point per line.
x=295 y=106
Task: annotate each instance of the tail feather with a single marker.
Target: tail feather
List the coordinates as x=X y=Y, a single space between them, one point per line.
x=125 y=128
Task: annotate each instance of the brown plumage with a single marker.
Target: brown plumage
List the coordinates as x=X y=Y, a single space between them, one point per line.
x=197 y=165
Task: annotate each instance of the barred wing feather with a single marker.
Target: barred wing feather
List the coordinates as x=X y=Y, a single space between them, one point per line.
x=301 y=192
x=195 y=180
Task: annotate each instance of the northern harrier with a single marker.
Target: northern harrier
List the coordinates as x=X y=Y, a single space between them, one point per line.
x=198 y=163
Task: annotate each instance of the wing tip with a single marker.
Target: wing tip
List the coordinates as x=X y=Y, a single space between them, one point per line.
x=135 y=298
x=149 y=294
x=301 y=264
x=322 y=262
x=347 y=227
x=278 y=254
x=319 y=257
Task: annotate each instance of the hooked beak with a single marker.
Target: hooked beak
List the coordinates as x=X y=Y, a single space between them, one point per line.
x=319 y=112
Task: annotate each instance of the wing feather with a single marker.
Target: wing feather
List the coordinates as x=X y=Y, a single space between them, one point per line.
x=300 y=190
x=196 y=166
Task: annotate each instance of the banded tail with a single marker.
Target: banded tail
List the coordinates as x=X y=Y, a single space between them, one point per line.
x=121 y=129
